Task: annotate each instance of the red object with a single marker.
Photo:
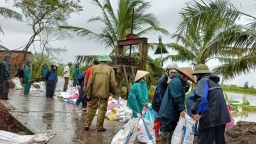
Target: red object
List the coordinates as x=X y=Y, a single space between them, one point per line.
x=157 y=126
x=88 y=73
x=74 y=96
x=232 y=122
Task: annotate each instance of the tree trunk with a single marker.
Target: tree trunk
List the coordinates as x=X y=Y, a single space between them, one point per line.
x=143 y=56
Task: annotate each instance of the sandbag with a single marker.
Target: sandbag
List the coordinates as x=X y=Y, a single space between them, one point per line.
x=145 y=132
x=113 y=116
x=17 y=83
x=42 y=86
x=183 y=133
x=128 y=132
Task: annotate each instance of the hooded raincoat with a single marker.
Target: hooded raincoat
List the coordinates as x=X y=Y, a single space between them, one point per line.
x=174 y=98
x=27 y=78
x=44 y=71
x=75 y=74
x=138 y=97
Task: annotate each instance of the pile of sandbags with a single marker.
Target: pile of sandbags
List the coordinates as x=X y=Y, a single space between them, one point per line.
x=118 y=111
x=70 y=96
x=17 y=83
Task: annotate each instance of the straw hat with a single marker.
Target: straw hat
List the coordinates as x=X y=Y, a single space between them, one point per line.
x=140 y=74
x=188 y=72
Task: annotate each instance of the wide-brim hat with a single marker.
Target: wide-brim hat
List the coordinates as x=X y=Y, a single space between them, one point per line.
x=140 y=74
x=104 y=58
x=188 y=72
x=7 y=57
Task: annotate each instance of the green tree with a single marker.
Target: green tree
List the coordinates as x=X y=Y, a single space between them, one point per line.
x=45 y=15
x=8 y=13
x=198 y=43
x=238 y=39
x=246 y=85
x=117 y=24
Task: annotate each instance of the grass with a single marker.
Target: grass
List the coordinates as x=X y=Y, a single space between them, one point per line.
x=240 y=90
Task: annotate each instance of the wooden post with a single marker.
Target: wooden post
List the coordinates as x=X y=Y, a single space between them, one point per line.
x=143 y=52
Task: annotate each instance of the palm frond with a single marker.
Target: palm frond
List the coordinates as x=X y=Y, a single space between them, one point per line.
x=8 y=13
x=85 y=59
x=3 y=48
x=81 y=31
x=236 y=67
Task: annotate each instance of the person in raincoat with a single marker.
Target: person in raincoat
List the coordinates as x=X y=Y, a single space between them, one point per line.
x=101 y=83
x=82 y=97
x=209 y=107
x=56 y=81
x=5 y=77
x=138 y=95
x=27 y=77
x=159 y=94
x=76 y=73
x=50 y=79
x=173 y=106
x=44 y=71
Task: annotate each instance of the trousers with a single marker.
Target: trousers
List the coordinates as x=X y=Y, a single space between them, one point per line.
x=65 y=83
x=81 y=98
x=97 y=103
x=50 y=89
x=4 y=89
x=27 y=88
x=211 y=135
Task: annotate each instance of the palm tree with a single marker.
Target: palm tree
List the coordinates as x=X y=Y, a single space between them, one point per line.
x=117 y=24
x=8 y=13
x=209 y=31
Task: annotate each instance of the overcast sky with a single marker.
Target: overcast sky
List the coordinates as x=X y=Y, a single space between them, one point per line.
x=167 y=11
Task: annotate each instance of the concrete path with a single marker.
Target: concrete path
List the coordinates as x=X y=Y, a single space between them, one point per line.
x=54 y=116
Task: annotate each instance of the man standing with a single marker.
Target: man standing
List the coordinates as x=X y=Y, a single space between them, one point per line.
x=82 y=97
x=56 y=81
x=76 y=73
x=50 y=80
x=44 y=72
x=66 y=74
x=210 y=107
x=27 y=78
x=173 y=103
x=159 y=94
x=86 y=78
x=5 y=77
x=101 y=83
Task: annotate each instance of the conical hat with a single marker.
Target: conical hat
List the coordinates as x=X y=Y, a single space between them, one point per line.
x=188 y=72
x=140 y=74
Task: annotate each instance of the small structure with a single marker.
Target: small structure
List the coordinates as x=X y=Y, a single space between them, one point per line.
x=126 y=65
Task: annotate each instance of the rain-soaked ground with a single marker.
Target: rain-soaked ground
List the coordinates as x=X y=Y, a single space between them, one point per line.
x=54 y=116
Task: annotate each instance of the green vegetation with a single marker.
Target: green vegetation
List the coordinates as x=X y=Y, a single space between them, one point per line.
x=237 y=89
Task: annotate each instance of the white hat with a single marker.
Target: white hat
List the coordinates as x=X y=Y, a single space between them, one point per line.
x=140 y=74
x=171 y=67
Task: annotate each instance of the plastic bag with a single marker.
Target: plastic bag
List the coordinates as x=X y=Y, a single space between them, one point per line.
x=128 y=132
x=17 y=83
x=145 y=132
x=113 y=117
x=42 y=86
x=149 y=115
x=183 y=133
x=232 y=122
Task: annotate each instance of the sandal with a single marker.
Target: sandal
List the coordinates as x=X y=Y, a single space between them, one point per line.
x=101 y=129
x=86 y=128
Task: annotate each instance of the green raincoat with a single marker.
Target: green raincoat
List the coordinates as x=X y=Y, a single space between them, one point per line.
x=44 y=72
x=27 y=76
x=75 y=74
x=138 y=97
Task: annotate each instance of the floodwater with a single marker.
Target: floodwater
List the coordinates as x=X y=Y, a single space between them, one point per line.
x=243 y=115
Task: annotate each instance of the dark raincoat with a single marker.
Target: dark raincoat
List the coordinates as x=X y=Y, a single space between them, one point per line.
x=44 y=72
x=173 y=101
x=75 y=74
x=217 y=113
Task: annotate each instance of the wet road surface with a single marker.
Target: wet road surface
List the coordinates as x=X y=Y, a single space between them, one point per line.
x=54 y=116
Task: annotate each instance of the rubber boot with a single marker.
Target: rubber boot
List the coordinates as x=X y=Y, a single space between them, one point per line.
x=165 y=137
x=157 y=126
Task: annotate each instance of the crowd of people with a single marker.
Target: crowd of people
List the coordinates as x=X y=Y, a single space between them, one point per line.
x=205 y=104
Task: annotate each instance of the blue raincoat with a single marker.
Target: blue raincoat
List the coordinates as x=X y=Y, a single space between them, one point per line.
x=138 y=97
x=174 y=98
